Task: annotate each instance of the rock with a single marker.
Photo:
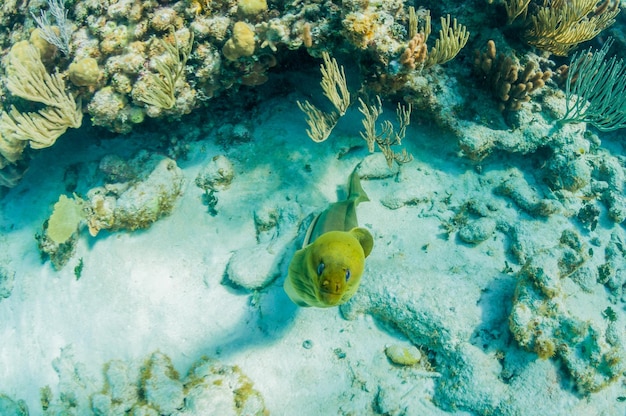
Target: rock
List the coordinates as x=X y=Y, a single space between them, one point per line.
x=148 y=200
x=162 y=389
x=405 y=196
x=526 y=197
x=617 y=206
x=477 y=231
x=549 y=320
x=403 y=355
x=216 y=175
x=374 y=166
x=223 y=389
x=138 y=203
x=252 y=268
x=121 y=387
x=210 y=387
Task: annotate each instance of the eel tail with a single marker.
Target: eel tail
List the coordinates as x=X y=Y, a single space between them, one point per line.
x=355 y=191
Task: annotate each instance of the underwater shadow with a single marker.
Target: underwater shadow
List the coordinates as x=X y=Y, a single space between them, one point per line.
x=270 y=313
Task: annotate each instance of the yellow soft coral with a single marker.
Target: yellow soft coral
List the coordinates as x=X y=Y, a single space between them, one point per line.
x=558 y=26
x=28 y=78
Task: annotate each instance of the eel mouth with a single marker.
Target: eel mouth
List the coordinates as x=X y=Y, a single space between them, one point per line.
x=330 y=298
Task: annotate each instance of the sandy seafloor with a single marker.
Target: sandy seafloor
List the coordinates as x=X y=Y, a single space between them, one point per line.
x=165 y=288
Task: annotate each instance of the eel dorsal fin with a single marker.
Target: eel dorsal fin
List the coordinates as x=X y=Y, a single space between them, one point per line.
x=309 y=231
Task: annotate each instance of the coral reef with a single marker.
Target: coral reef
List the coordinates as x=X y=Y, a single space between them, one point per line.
x=129 y=59
x=153 y=387
x=138 y=192
x=547 y=317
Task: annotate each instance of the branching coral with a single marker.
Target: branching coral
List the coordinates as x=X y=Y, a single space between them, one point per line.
x=160 y=89
x=320 y=124
x=388 y=136
x=560 y=25
x=595 y=90
x=515 y=9
x=452 y=38
x=61 y=34
x=28 y=78
x=335 y=89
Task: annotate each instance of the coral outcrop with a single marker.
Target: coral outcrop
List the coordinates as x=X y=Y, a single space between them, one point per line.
x=137 y=193
x=551 y=316
x=129 y=59
x=152 y=387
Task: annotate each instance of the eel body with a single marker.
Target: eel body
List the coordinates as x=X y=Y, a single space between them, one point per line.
x=327 y=270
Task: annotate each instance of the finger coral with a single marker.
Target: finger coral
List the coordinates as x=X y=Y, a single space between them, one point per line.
x=509 y=83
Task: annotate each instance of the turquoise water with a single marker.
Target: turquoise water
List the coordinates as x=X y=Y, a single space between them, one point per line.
x=160 y=168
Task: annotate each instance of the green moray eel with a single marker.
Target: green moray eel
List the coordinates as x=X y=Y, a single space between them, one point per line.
x=327 y=271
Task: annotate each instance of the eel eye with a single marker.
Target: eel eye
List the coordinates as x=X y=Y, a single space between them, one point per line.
x=320 y=269
x=348 y=275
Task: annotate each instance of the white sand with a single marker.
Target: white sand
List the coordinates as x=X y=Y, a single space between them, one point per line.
x=161 y=288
